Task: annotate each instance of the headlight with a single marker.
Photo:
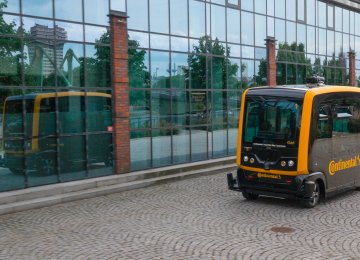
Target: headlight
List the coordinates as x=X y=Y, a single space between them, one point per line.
x=283 y=163
x=291 y=163
x=246 y=158
x=252 y=160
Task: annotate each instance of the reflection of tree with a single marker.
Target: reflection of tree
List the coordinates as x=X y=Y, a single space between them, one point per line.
x=10 y=57
x=293 y=67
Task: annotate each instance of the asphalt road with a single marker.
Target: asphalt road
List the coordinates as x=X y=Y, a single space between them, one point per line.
x=190 y=219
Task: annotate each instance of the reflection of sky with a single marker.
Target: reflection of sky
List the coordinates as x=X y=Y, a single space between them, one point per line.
x=69 y=10
x=96 y=11
x=74 y=31
x=30 y=22
x=38 y=7
x=179 y=44
x=93 y=33
x=12 y=6
x=11 y=18
x=248 y=52
x=118 y=5
x=235 y=50
x=159 y=42
x=159 y=63
x=138 y=15
x=141 y=38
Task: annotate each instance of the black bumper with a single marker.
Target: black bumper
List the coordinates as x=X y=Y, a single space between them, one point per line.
x=298 y=187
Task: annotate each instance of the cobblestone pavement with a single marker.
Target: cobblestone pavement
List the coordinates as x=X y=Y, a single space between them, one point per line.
x=190 y=219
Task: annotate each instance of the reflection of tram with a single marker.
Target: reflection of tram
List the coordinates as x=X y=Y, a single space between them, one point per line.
x=37 y=127
x=298 y=142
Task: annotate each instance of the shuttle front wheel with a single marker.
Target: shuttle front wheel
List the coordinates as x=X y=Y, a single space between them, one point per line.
x=250 y=196
x=315 y=198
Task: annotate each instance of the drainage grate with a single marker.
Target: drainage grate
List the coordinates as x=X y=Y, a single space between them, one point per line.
x=283 y=230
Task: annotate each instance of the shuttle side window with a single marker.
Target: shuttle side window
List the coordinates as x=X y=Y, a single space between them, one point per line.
x=323 y=124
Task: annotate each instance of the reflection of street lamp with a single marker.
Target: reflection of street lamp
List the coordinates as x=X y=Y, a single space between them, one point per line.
x=156 y=73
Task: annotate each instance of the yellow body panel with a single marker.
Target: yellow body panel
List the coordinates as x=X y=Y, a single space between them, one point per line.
x=303 y=150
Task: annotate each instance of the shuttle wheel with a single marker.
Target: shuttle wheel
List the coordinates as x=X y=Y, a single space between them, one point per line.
x=315 y=199
x=250 y=196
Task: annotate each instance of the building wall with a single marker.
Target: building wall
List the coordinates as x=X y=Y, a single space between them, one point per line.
x=189 y=62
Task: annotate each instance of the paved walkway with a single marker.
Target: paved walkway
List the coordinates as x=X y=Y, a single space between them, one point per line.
x=191 y=219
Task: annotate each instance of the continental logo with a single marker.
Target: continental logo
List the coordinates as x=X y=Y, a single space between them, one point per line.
x=341 y=165
x=269 y=176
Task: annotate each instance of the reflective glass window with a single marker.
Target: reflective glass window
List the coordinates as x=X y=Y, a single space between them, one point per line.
x=97 y=67
x=43 y=8
x=260 y=53
x=311 y=36
x=291 y=10
x=10 y=61
x=199 y=144
x=321 y=16
x=234 y=74
x=179 y=69
x=271 y=7
x=159 y=16
x=181 y=145
x=310 y=12
x=301 y=10
x=247 y=52
x=180 y=108
x=71 y=31
x=247 y=5
x=39 y=28
x=330 y=43
x=161 y=109
x=96 y=34
x=69 y=10
x=161 y=147
x=234 y=50
x=178 y=17
x=346 y=42
x=270 y=26
x=330 y=16
x=218 y=72
x=301 y=34
x=100 y=154
x=118 y=5
x=218 y=22
x=260 y=6
x=247 y=28
x=338 y=43
x=280 y=9
x=179 y=44
x=290 y=32
x=346 y=21
x=352 y=21
x=247 y=72
x=357 y=22
x=139 y=109
x=97 y=15
x=338 y=19
x=219 y=140
x=233 y=25
x=138 y=14
x=260 y=30
x=196 y=19
x=138 y=39
x=158 y=41
x=140 y=150
x=233 y=2
x=322 y=42
x=160 y=69
x=280 y=30
x=11 y=6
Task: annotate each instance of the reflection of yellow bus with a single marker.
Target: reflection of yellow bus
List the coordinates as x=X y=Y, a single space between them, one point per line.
x=40 y=126
x=298 y=142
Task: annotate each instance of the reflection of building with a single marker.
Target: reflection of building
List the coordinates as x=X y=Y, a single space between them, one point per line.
x=51 y=40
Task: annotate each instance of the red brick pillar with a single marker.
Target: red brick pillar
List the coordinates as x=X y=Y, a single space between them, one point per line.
x=352 y=73
x=271 y=61
x=120 y=84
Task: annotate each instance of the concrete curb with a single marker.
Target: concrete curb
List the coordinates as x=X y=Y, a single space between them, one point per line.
x=44 y=196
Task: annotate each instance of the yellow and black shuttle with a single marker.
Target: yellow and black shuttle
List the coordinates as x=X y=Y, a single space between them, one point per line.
x=300 y=142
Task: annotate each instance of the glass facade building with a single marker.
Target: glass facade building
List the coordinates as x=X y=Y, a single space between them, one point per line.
x=189 y=62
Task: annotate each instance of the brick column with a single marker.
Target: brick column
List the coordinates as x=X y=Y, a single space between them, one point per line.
x=271 y=61
x=352 y=73
x=120 y=95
